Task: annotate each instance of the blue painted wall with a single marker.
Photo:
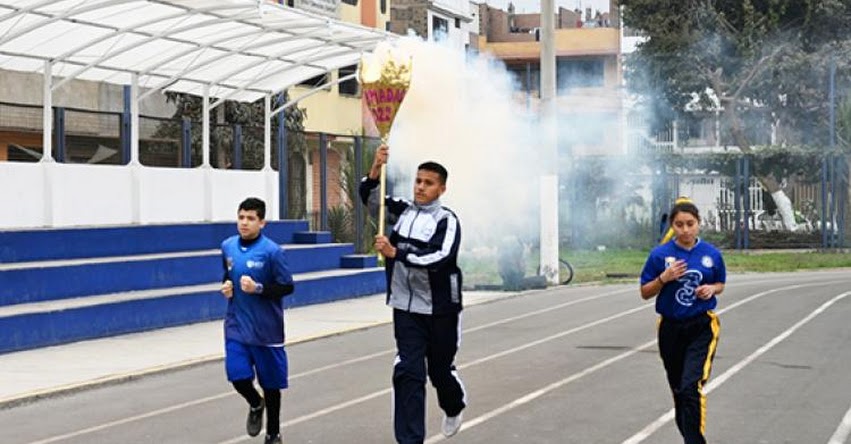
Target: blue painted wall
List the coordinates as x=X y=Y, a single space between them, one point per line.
x=34 y=284
x=51 y=244
x=113 y=273
x=27 y=331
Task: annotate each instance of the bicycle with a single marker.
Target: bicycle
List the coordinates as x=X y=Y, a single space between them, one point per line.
x=565 y=271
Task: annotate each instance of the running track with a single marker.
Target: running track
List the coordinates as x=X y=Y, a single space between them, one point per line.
x=568 y=365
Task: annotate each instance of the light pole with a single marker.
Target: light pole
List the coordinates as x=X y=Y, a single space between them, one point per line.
x=549 y=176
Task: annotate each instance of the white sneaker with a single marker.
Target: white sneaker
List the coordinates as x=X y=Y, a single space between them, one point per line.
x=451 y=424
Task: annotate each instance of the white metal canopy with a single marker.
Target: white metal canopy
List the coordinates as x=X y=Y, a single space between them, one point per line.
x=226 y=49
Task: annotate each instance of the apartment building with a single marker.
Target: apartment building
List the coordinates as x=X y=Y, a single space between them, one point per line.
x=588 y=70
x=451 y=21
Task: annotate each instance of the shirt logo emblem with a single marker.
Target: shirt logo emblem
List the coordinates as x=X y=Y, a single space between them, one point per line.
x=254 y=264
x=706 y=261
x=685 y=295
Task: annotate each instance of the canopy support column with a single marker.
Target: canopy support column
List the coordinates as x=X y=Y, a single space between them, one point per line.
x=267 y=133
x=271 y=178
x=47 y=114
x=135 y=164
x=47 y=162
x=134 y=120
x=205 y=156
x=205 y=128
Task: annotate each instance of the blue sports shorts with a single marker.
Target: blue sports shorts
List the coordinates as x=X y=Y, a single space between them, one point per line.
x=241 y=360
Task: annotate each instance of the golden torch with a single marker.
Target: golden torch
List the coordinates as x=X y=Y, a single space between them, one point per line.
x=385 y=76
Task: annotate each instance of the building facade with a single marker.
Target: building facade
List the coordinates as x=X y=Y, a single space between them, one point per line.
x=588 y=71
x=449 y=21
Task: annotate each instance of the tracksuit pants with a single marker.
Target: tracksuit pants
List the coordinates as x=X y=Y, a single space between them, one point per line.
x=687 y=348
x=426 y=344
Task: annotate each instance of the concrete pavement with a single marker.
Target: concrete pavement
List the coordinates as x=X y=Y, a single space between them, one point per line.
x=32 y=374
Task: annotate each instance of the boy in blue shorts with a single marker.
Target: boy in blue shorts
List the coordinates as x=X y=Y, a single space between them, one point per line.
x=256 y=278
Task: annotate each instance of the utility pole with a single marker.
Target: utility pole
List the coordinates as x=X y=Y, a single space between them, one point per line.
x=549 y=176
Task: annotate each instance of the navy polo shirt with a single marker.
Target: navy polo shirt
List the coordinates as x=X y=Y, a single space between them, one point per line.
x=251 y=318
x=677 y=300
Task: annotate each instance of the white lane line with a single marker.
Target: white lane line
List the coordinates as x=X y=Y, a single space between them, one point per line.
x=520 y=348
x=469 y=330
x=538 y=393
x=463 y=366
x=131 y=419
x=308 y=373
x=549 y=309
x=542 y=391
x=844 y=429
x=195 y=402
x=715 y=383
x=555 y=336
x=316 y=414
x=367 y=357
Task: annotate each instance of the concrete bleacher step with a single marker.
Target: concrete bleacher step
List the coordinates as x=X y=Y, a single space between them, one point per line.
x=90 y=242
x=45 y=323
x=64 y=285
x=312 y=237
x=48 y=280
x=359 y=261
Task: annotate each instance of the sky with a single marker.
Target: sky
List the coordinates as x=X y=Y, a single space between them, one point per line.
x=532 y=6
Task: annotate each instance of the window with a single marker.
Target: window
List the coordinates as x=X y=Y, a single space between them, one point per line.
x=315 y=81
x=582 y=72
x=291 y=3
x=526 y=81
x=384 y=6
x=439 y=28
x=19 y=153
x=457 y=23
x=350 y=2
x=348 y=87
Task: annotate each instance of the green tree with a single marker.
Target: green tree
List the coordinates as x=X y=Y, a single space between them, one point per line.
x=843 y=124
x=762 y=61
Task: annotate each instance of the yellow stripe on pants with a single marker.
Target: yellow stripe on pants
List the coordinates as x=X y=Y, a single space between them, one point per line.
x=715 y=326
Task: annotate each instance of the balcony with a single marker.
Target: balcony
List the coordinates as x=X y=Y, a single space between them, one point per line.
x=569 y=42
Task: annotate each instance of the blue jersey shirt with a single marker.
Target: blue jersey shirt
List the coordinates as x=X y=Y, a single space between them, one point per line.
x=677 y=300
x=251 y=318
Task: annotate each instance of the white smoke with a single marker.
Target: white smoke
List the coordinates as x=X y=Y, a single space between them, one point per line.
x=461 y=111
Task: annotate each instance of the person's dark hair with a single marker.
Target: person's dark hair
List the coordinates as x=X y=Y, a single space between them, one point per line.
x=254 y=204
x=684 y=207
x=435 y=168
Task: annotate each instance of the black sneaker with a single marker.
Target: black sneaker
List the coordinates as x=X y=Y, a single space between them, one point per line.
x=273 y=439
x=255 y=420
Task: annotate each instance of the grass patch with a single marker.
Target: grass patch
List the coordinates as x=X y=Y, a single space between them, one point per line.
x=625 y=265
x=742 y=262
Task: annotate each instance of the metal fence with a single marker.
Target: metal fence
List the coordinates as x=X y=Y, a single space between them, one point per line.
x=319 y=185
x=745 y=202
x=616 y=202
